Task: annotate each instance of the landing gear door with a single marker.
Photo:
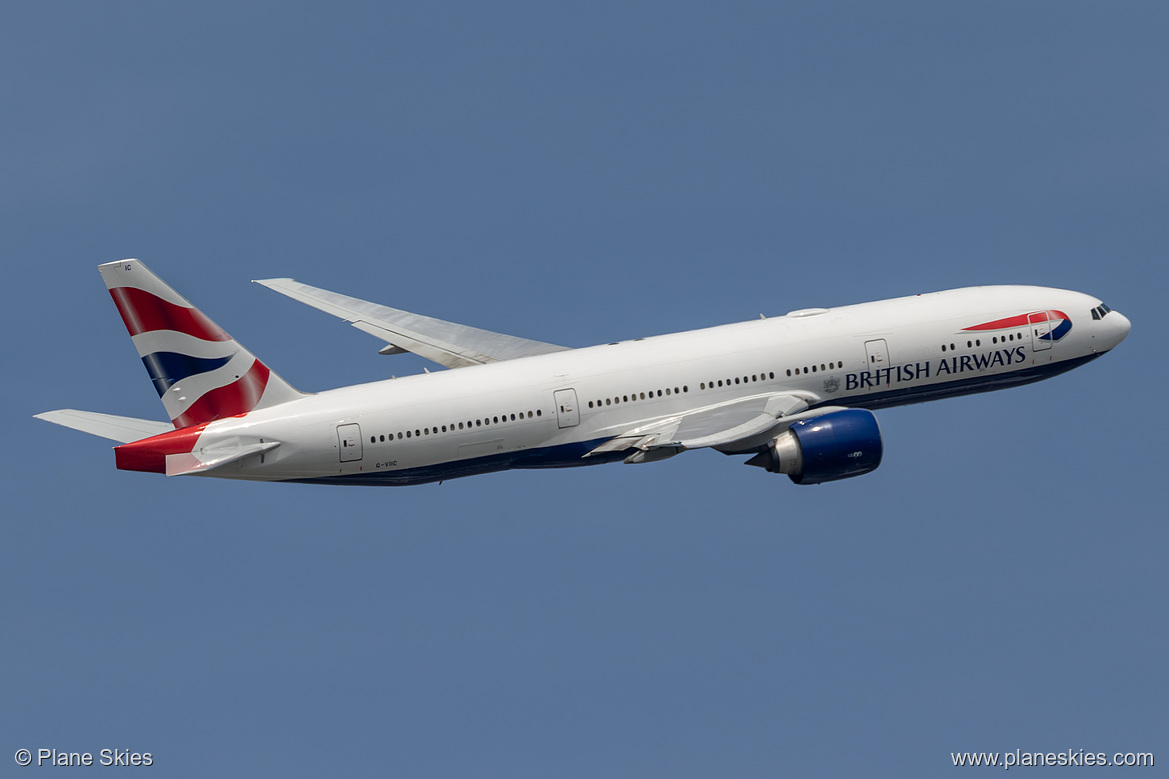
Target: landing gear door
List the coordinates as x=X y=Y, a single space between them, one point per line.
x=349 y=442
x=1040 y=326
x=567 y=413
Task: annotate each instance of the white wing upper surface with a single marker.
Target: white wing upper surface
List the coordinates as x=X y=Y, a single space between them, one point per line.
x=446 y=343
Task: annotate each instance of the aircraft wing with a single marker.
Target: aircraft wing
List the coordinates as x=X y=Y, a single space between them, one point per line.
x=447 y=343
x=733 y=427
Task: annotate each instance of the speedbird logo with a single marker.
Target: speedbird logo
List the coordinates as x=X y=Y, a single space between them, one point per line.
x=1054 y=325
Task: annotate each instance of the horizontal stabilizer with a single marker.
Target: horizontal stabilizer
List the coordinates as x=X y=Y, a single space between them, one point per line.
x=446 y=343
x=213 y=457
x=120 y=429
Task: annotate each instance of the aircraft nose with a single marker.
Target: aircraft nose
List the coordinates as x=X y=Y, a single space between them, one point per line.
x=1116 y=327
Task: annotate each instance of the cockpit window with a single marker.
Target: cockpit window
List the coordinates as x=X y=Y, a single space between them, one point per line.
x=1101 y=311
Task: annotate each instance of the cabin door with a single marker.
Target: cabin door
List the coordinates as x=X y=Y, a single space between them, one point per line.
x=349 y=442
x=1040 y=327
x=567 y=413
x=876 y=358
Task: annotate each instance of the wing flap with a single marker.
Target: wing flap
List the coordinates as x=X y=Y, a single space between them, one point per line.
x=734 y=421
x=446 y=343
x=726 y=426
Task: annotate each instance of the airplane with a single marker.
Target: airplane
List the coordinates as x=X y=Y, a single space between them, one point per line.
x=795 y=393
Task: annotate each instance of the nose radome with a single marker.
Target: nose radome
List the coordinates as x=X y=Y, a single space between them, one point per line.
x=1117 y=327
x=1122 y=325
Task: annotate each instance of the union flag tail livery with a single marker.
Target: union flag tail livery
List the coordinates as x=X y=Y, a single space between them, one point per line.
x=199 y=371
x=794 y=394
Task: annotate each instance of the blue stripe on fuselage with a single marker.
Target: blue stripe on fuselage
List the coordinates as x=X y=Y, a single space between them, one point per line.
x=560 y=456
x=949 y=389
x=1058 y=332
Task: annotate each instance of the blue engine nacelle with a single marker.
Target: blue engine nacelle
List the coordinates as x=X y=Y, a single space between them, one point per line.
x=834 y=446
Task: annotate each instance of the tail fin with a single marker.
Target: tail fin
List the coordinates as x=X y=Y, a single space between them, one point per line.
x=200 y=372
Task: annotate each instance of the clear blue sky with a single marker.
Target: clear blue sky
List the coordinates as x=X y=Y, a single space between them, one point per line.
x=580 y=174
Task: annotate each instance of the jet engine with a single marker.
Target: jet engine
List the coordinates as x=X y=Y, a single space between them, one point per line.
x=834 y=446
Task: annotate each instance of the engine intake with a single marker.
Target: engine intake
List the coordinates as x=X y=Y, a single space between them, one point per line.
x=834 y=446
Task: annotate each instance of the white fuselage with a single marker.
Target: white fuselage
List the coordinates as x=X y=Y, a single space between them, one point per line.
x=552 y=410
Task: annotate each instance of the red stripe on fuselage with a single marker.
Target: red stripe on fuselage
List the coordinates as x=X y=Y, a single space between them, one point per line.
x=1002 y=324
x=144 y=312
x=230 y=400
x=1022 y=320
